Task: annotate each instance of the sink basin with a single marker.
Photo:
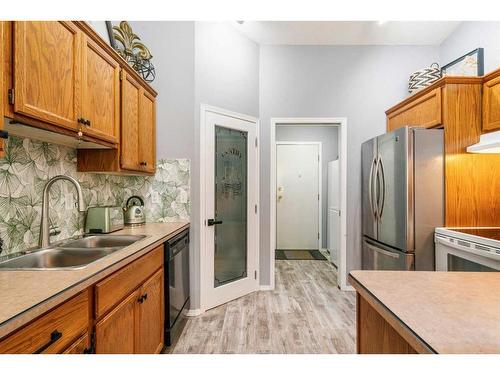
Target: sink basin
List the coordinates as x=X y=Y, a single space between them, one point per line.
x=71 y=254
x=101 y=241
x=57 y=258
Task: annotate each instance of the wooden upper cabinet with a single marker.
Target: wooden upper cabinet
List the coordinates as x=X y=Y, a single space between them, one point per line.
x=422 y=109
x=491 y=102
x=101 y=92
x=138 y=131
x=131 y=97
x=47 y=71
x=147 y=132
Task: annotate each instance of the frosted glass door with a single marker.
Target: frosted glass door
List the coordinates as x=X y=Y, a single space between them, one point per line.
x=230 y=242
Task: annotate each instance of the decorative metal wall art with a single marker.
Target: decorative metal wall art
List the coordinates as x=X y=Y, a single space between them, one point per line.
x=135 y=53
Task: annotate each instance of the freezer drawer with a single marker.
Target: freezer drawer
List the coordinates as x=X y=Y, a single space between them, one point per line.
x=379 y=257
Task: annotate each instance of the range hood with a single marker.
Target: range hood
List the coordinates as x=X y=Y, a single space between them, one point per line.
x=488 y=144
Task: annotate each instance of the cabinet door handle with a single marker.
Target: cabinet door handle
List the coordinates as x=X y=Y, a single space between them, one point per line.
x=87 y=122
x=54 y=336
x=81 y=120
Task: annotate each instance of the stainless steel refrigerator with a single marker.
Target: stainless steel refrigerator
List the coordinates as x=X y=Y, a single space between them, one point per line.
x=402 y=198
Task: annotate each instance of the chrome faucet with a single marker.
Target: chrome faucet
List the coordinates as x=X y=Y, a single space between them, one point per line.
x=44 y=238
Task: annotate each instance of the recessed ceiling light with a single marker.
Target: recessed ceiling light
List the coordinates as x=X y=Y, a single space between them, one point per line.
x=241 y=22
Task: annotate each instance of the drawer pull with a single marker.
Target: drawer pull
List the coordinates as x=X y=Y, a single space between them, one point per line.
x=54 y=336
x=143 y=298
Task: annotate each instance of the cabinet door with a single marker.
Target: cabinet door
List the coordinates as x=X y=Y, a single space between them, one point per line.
x=147 y=136
x=47 y=71
x=115 y=333
x=150 y=317
x=131 y=97
x=80 y=346
x=491 y=104
x=101 y=92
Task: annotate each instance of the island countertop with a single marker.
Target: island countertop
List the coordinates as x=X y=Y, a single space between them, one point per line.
x=441 y=312
x=27 y=294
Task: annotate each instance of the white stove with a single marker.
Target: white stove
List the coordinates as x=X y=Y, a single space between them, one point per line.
x=468 y=249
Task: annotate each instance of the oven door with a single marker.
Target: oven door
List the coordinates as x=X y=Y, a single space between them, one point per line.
x=457 y=255
x=377 y=256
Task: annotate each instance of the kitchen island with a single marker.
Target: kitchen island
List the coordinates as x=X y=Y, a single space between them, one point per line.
x=427 y=312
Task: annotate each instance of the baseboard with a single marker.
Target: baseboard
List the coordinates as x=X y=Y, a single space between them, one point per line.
x=194 y=312
x=266 y=287
x=348 y=288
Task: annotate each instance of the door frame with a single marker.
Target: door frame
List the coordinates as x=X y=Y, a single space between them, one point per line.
x=320 y=187
x=204 y=109
x=341 y=123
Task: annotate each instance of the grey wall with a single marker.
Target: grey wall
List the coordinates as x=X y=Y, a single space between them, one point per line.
x=357 y=82
x=226 y=76
x=469 y=36
x=172 y=46
x=328 y=136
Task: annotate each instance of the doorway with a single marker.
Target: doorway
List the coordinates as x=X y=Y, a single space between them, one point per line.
x=298 y=206
x=340 y=210
x=229 y=201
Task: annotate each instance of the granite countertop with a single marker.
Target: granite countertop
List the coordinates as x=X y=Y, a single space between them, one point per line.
x=24 y=295
x=451 y=312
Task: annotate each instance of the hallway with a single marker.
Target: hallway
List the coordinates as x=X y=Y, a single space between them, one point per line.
x=306 y=313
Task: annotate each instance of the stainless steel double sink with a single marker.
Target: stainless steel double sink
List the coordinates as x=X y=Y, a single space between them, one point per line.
x=70 y=254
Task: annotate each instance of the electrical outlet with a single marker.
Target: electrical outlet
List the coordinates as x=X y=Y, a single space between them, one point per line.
x=155 y=197
x=69 y=201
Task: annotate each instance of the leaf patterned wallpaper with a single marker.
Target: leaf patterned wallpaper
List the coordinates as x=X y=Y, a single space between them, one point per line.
x=27 y=166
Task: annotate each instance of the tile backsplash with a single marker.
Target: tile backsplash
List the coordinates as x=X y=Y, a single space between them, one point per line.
x=27 y=166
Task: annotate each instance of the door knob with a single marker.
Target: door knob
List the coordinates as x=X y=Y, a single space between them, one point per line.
x=211 y=222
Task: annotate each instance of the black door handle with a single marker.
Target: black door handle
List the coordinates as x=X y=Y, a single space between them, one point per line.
x=54 y=336
x=213 y=222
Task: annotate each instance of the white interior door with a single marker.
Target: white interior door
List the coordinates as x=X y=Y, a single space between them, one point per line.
x=298 y=205
x=231 y=222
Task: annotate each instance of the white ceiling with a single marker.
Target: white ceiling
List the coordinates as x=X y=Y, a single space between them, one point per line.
x=347 y=32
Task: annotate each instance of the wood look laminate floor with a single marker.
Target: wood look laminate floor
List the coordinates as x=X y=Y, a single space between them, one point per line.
x=306 y=313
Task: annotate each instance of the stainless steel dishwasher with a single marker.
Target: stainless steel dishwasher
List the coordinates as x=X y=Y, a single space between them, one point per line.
x=176 y=284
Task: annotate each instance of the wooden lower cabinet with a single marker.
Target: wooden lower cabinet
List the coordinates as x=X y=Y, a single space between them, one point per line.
x=136 y=324
x=376 y=335
x=80 y=346
x=115 y=333
x=150 y=315
x=52 y=332
x=133 y=323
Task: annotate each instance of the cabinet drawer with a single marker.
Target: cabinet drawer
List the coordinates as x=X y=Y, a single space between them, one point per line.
x=491 y=104
x=54 y=331
x=116 y=287
x=424 y=111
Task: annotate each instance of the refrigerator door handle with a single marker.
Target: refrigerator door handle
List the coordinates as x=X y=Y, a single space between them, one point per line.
x=370 y=187
x=382 y=179
x=381 y=251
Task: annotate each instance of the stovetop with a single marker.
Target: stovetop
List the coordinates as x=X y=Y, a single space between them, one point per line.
x=491 y=233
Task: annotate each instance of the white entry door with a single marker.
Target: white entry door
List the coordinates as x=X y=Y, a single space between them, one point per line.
x=298 y=177
x=230 y=259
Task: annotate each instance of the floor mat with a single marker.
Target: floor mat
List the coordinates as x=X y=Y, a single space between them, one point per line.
x=299 y=255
